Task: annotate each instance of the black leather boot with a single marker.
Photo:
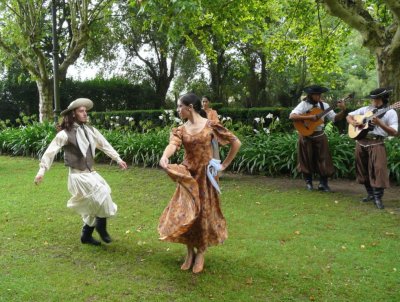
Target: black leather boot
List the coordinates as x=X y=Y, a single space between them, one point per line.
x=308 y=179
x=378 y=193
x=323 y=184
x=86 y=237
x=101 y=228
x=370 y=192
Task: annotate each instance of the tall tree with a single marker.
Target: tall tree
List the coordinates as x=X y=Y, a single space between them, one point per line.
x=378 y=22
x=25 y=35
x=143 y=36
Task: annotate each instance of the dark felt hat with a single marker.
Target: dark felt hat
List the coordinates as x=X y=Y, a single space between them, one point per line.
x=315 y=89
x=379 y=93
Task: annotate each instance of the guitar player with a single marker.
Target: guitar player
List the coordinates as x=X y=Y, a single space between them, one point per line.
x=370 y=152
x=313 y=154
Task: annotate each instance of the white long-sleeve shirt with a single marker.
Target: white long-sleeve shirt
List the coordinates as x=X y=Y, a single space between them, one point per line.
x=390 y=118
x=61 y=140
x=304 y=107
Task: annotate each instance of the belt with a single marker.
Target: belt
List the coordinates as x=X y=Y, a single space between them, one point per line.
x=77 y=171
x=374 y=137
x=317 y=134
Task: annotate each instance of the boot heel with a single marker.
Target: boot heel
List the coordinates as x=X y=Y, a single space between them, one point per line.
x=101 y=228
x=86 y=237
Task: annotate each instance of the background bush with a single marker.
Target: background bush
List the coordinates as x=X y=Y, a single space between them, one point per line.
x=267 y=154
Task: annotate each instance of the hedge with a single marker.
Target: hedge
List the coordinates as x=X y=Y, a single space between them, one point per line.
x=272 y=155
x=148 y=119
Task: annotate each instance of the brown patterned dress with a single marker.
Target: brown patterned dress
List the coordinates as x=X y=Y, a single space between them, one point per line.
x=193 y=216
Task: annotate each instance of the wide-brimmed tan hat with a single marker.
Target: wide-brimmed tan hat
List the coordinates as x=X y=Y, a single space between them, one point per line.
x=81 y=102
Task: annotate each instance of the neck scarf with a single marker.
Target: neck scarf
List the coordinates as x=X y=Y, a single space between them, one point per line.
x=85 y=139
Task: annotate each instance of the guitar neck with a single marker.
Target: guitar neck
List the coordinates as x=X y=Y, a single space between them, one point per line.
x=326 y=111
x=323 y=113
x=380 y=112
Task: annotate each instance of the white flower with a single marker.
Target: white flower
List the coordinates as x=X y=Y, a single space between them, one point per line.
x=257 y=119
x=117 y=117
x=171 y=118
x=255 y=130
x=266 y=130
x=224 y=119
x=127 y=118
x=116 y=125
x=131 y=119
x=219 y=116
x=177 y=120
x=277 y=119
x=262 y=120
x=166 y=111
x=228 y=118
x=161 y=117
x=269 y=115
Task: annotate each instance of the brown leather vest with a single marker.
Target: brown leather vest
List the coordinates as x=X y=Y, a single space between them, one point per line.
x=73 y=156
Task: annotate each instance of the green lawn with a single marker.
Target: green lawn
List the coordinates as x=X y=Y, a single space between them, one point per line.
x=284 y=244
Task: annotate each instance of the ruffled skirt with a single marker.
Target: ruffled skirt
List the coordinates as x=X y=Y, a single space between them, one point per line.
x=91 y=196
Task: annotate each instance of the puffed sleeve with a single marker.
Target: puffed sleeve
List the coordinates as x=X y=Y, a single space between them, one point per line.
x=175 y=138
x=223 y=135
x=104 y=145
x=55 y=146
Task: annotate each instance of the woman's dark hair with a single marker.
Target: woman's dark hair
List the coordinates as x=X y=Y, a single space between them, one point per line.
x=206 y=97
x=192 y=99
x=67 y=122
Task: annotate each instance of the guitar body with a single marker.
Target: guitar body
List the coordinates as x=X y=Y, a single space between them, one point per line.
x=307 y=127
x=360 y=131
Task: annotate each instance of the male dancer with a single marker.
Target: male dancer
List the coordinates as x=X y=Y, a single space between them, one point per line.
x=90 y=192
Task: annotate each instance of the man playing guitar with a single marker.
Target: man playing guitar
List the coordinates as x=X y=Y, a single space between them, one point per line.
x=313 y=154
x=370 y=152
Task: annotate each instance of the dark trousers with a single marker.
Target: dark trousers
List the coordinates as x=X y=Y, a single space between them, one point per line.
x=313 y=156
x=371 y=163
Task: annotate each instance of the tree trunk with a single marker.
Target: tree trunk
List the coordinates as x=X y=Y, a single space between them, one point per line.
x=45 y=88
x=161 y=91
x=253 y=86
x=216 y=71
x=388 y=72
x=263 y=97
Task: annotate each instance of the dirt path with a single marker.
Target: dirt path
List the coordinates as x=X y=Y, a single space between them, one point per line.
x=349 y=188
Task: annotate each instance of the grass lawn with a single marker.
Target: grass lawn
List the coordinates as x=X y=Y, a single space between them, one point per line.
x=284 y=244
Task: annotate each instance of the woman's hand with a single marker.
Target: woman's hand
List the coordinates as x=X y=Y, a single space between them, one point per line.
x=223 y=167
x=164 y=162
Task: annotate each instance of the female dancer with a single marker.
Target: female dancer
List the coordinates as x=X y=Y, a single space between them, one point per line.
x=193 y=216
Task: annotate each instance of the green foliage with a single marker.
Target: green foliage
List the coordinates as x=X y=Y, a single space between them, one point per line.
x=135 y=119
x=268 y=152
x=31 y=140
x=109 y=94
x=26 y=35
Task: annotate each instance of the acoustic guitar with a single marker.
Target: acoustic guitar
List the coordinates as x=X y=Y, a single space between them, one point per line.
x=307 y=127
x=364 y=120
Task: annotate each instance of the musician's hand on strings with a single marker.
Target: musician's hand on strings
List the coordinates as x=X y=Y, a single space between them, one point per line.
x=376 y=121
x=313 y=117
